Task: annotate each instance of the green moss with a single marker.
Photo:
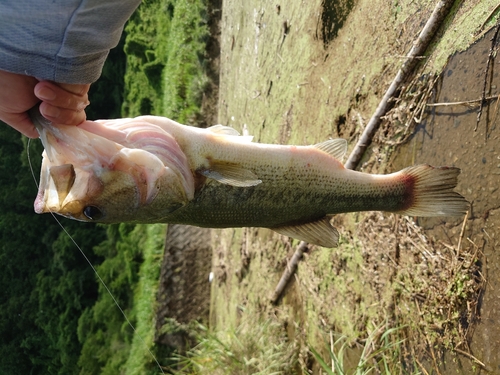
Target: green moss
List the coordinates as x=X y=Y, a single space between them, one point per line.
x=468 y=23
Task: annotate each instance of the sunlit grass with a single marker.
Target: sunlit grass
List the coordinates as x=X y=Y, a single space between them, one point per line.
x=165 y=47
x=145 y=293
x=379 y=355
x=184 y=78
x=251 y=348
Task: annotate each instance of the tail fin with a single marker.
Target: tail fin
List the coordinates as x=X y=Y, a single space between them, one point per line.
x=433 y=193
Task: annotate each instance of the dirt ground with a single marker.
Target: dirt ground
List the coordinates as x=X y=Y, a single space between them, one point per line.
x=302 y=72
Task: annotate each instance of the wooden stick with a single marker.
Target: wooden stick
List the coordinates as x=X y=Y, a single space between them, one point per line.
x=489 y=17
x=472 y=358
x=491 y=55
x=419 y=46
x=289 y=271
x=465 y=102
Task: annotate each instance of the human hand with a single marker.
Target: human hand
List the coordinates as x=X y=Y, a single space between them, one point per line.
x=16 y=98
x=62 y=103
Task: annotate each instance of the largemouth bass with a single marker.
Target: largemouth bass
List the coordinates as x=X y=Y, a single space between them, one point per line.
x=154 y=170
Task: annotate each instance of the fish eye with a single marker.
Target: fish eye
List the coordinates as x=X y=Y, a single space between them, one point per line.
x=93 y=213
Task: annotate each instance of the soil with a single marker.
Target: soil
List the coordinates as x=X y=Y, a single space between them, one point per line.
x=301 y=72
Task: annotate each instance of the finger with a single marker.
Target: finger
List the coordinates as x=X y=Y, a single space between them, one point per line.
x=102 y=129
x=65 y=96
x=22 y=123
x=62 y=115
x=77 y=89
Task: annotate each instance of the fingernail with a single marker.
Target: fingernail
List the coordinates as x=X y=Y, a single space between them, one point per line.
x=45 y=93
x=50 y=111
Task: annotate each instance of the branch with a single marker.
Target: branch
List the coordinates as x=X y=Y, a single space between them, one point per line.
x=289 y=271
x=469 y=103
x=419 y=46
x=491 y=55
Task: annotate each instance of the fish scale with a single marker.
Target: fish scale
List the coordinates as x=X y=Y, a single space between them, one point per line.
x=220 y=206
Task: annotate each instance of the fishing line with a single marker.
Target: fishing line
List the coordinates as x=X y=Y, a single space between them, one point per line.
x=92 y=266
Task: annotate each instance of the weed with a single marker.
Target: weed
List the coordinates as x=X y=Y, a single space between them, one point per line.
x=251 y=348
x=380 y=354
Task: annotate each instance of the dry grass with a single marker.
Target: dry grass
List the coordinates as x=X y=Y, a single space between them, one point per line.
x=254 y=347
x=409 y=110
x=434 y=287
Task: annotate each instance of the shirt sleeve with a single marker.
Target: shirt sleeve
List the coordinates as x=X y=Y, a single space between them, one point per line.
x=65 y=41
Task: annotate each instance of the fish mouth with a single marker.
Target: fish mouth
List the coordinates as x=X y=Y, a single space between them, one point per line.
x=63 y=177
x=55 y=184
x=72 y=210
x=70 y=163
x=109 y=170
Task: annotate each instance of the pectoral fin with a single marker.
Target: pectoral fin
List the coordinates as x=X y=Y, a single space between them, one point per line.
x=230 y=174
x=319 y=232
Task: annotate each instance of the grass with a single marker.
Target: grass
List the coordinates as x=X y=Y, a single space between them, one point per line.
x=142 y=346
x=130 y=270
x=258 y=348
x=184 y=79
x=380 y=354
x=165 y=49
x=425 y=298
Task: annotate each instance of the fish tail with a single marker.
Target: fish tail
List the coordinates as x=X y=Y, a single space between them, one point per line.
x=430 y=191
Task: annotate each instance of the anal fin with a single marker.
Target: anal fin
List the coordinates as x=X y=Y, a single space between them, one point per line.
x=319 y=232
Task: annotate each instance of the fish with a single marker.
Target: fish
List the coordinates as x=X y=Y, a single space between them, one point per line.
x=151 y=169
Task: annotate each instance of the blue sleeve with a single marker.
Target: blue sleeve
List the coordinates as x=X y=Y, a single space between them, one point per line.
x=65 y=41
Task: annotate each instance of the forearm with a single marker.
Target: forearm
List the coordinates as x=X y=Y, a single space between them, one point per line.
x=61 y=40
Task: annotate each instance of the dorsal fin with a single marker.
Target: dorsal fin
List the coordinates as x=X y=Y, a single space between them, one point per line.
x=319 y=232
x=334 y=147
x=225 y=131
x=230 y=174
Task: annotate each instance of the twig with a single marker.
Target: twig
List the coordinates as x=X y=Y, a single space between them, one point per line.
x=471 y=357
x=465 y=102
x=331 y=349
x=289 y=271
x=491 y=55
x=434 y=361
x=489 y=17
x=419 y=46
x=421 y=366
x=459 y=246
